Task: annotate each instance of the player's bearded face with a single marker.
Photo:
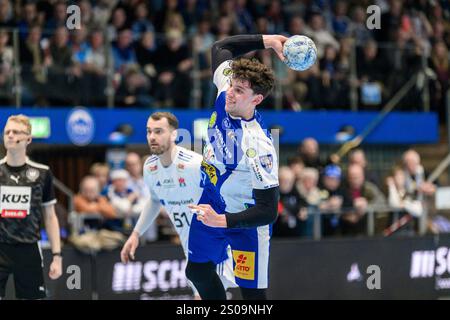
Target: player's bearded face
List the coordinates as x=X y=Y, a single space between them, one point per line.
x=158 y=136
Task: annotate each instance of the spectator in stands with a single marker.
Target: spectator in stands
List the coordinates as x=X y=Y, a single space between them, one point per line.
x=141 y=22
x=371 y=70
x=202 y=42
x=119 y=21
x=341 y=22
x=87 y=14
x=317 y=31
x=102 y=14
x=94 y=67
x=402 y=200
x=175 y=22
x=194 y=11
x=415 y=175
x=223 y=28
x=126 y=202
x=391 y=22
x=89 y=201
x=358 y=29
x=169 y=8
x=79 y=43
x=136 y=183
x=439 y=62
x=29 y=19
x=6 y=14
x=275 y=17
x=358 y=156
x=58 y=19
x=145 y=54
x=310 y=199
x=288 y=223
x=173 y=63
x=101 y=172
x=309 y=152
x=123 y=51
x=296 y=164
x=134 y=89
x=6 y=71
x=244 y=17
x=329 y=74
x=296 y=25
x=34 y=67
x=63 y=75
x=333 y=199
x=363 y=195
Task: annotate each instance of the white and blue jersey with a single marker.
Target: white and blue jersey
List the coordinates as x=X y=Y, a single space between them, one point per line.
x=241 y=157
x=183 y=183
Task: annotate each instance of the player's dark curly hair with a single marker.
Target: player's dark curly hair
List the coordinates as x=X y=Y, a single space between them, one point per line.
x=259 y=76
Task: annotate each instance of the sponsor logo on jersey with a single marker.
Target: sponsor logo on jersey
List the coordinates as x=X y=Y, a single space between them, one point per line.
x=226 y=123
x=80 y=126
x=15 y=202
x=212 y=120
x=227 y=72
x=232 y=135
x=15 y=178
x=208 y=152
x=244 y=264
x=180 y=202
x=168 y=183
x=256 y=170
x=267 y=162
x=158 y=184
x=182 y=182
x=32 y=174
x=251 y=153
x=211 y=171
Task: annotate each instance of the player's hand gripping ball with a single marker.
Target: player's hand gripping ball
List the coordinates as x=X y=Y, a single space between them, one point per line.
x=300 y=52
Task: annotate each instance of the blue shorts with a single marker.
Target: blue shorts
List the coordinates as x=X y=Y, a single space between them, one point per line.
x=249 y=247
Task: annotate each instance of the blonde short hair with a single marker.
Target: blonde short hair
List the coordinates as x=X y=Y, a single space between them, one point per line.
x=22 y=119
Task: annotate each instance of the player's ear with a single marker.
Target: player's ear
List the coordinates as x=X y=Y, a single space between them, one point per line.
x=173 y=135
x=257 y=99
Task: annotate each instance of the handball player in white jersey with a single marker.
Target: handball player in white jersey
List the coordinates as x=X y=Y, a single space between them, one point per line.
x=176 y=179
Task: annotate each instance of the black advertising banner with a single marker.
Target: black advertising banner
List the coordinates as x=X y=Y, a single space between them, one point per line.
x=376 y=268
x=347 y=269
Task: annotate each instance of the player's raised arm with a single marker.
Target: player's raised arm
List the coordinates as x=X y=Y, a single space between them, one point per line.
x=235 y=46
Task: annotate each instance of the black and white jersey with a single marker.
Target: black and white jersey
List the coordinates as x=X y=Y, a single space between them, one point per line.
x=24 y=190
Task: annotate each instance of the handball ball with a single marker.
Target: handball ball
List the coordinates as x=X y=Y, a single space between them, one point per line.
x=300 y=52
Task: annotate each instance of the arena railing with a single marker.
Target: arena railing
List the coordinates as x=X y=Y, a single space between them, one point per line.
x=371 y=214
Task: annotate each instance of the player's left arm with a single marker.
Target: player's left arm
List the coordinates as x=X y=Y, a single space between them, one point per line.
x=52 y=226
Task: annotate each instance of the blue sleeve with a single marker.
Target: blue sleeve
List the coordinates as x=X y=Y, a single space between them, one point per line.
x=210 y=193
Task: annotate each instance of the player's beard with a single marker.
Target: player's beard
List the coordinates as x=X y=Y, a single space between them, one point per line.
x=159 y=149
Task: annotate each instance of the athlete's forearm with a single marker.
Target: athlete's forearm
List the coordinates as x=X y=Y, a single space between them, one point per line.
x=52 y=228
x=235 y=46
x=262 y=213
x=147 y=217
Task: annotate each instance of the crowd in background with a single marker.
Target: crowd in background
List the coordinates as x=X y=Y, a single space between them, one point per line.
x=340 y=195
x=156 y=53
x=342 y=198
